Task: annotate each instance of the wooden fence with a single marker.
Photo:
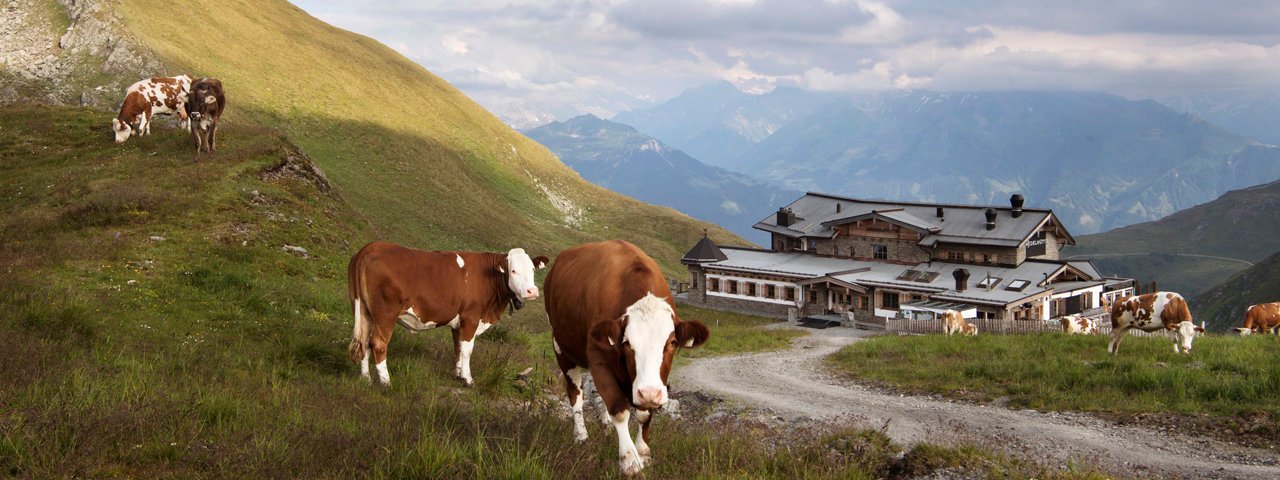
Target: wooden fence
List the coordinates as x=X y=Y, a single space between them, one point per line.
x=1006 y=326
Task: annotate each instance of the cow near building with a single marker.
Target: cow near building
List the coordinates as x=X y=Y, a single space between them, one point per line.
x=150 y=97
x=1075 y=324
x=1262 y=318
x=465 y=291
x=952 y=322
x=969 y=329
x=612 y=313
x=1151 y=312
x=205 y=105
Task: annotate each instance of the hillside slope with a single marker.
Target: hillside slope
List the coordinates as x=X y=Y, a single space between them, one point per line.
x=1223 y=306
x=1194 y=249
x=618 y=157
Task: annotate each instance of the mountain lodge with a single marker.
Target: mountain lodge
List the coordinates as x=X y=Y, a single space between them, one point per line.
x=867 y=260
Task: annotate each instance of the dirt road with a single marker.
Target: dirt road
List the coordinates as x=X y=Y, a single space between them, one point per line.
x=793 y=384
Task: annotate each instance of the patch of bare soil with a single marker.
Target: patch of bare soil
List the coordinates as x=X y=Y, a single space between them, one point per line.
x=793 y=384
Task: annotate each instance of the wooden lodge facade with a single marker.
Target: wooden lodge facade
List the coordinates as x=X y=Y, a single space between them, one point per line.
x=868 y=260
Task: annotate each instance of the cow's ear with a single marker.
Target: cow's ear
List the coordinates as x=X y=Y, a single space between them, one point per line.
x=1199 y=329
x=540 y=262
x=607 y=334
x=691 y=334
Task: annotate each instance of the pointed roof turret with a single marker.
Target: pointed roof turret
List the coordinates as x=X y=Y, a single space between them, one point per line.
x=705 y=251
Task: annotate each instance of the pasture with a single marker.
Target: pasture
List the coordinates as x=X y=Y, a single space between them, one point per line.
x=152 y=326
x=1229 y=379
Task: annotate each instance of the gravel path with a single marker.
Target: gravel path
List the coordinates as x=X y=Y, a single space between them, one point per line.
x=793 y=384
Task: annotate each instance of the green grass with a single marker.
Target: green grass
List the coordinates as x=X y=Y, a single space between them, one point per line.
x=1225 y=376
x=733 y=333
x=213 y=353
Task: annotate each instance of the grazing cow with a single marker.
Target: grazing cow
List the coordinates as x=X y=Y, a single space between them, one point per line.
x=952 y=322
x=142 y=100
x=969 y=329
x=205 y=105
x=466 y=291
x=1075 y=324
x=1151 y=312
x=1261 y=318
x=611 y=312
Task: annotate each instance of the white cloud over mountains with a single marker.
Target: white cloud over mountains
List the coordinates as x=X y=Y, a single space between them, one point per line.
x=601 y=56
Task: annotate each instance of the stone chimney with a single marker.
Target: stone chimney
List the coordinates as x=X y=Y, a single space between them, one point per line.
x=786 y=217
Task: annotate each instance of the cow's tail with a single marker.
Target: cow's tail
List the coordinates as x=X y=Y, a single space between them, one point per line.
x=360 y=331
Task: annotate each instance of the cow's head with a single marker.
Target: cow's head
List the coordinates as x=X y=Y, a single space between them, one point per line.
x=518 y=270
x=646 y=339
x=122 y=129
x=1187 y=331
x=1244 y=331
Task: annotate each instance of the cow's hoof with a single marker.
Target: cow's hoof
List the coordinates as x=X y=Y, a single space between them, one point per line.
x=631 y=464
x=579 y=437
x=645 y=453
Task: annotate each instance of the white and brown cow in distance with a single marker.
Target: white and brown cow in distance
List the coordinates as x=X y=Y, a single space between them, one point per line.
x=465 y=291
x=1075 y=324
x=150 y=97
x=611 y=313
x=205 y=105
x=969 y=329
x=952 y=322
x=1261 y=319
x=1151 y=312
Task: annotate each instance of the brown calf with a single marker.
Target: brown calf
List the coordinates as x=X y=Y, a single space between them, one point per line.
x=205 y=105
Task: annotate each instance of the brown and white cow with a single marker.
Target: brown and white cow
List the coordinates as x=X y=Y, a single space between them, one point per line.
x=205 y=105
x=146 y=98
x=1075 y=324
x=611 y=312
x=1261 y=318
x=969 y=329
x=1151 y=312
x=952 y=322
x=465 y=291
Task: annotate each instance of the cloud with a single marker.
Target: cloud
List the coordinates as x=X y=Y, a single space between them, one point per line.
x=526 y=58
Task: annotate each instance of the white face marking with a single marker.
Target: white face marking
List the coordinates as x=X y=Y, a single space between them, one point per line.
x=1244 y=331
x=1186 y=333
x=650 y=322
x=520 y=274
x=460 y=262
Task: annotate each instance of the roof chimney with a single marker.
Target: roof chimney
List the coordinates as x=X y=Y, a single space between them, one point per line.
x=962 y=279
x=837 y=207
x=942 y=214
x=991 y=219
x=786 y=217
x=1016 y=202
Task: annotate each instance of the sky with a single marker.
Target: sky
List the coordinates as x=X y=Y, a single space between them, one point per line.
x=530 y=62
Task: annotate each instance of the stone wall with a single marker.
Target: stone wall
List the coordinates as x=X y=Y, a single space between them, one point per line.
x=863 y=247
x=742 y=306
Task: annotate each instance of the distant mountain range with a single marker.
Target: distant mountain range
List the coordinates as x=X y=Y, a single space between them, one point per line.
x=1099 y=160
x=1195 y=249
x=622 y=159
x=1253 y=114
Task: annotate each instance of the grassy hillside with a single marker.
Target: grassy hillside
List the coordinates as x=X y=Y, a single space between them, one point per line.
x=1241 y=226
x=1229 y=378
x=417 y=159
x=1223 y=306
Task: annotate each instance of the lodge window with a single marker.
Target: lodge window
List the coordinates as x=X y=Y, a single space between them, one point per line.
x=813 y=245
x=713 y=285
x=881 y=252
x=889 y=300
x=770 y=291
x=751 y=289
x=813 y=296
x=956 y=256
x=733 y=287
x=790 y=293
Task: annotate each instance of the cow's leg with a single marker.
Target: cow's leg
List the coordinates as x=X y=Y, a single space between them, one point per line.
x=1117 y=334
x=573 y=389
x=213 y=137
x=642 y=439
x=628 y=458
x=464 y=341
x=381 y=338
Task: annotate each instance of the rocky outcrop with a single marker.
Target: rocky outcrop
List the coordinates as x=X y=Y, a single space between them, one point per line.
x=74 y=52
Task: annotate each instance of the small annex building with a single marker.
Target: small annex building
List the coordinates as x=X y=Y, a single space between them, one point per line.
x=871 y=259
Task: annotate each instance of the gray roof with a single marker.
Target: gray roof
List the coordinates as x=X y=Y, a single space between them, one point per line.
x=816 y=216
x=890 y=275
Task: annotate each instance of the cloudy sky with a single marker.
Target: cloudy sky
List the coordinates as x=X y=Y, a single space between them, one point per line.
x=530 y=60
